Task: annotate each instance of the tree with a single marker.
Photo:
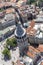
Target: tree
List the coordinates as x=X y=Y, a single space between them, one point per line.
x=6 y=53
x=40 y=0
x=11 y=43
x=40 y=3
x=30 y=1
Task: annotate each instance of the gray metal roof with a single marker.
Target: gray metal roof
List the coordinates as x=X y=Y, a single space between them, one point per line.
x=20 y=31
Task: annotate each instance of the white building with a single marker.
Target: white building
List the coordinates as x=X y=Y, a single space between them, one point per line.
x=38 y=35
x=27 y=60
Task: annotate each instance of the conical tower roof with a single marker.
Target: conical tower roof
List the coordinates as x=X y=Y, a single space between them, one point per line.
x=20 y=31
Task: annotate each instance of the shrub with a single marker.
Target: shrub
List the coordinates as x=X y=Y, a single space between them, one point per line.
x=6 y=53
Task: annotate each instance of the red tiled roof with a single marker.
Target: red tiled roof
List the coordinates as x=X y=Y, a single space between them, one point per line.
x=33 y=51
x=30 y=30
x=19 y=63
x=40 y=48
x=10 y=10
x=41 y=63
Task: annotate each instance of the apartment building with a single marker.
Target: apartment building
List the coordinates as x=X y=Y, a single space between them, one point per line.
x=34 y=32
x=7 y=21
x=7 y=32
x=35 y=54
